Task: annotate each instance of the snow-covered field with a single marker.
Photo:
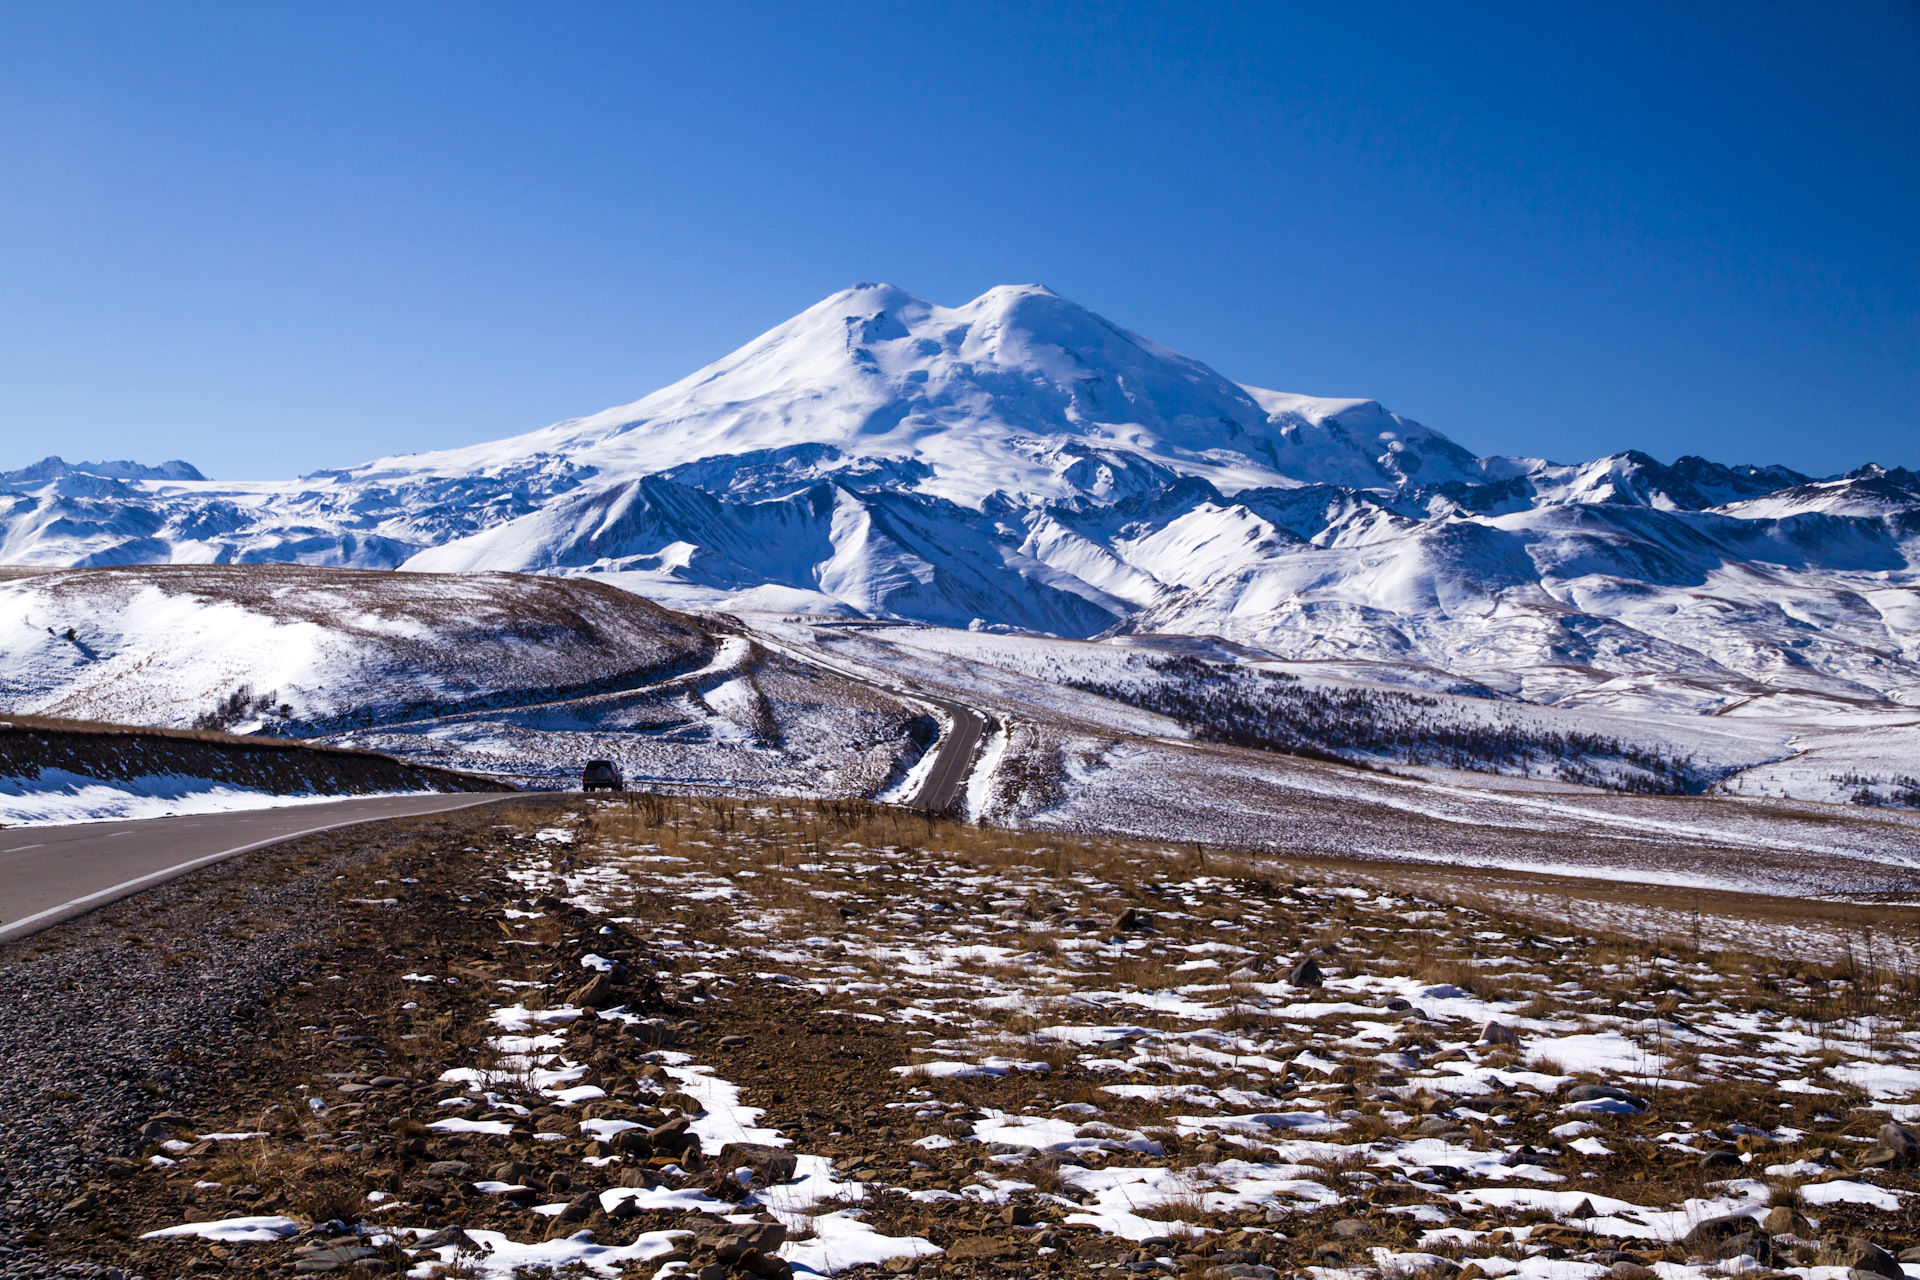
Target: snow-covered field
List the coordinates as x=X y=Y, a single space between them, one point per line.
x=298 y=651
x=1120 y=1055
x=526 y=677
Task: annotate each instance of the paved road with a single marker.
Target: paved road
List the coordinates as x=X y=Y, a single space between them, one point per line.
x=953 y=763
x=954 y=759
x=50 y=874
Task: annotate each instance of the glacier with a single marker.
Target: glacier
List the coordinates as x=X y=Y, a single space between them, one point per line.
x=1021 y=463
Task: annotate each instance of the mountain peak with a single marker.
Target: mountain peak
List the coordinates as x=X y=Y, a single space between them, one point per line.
x=53 y=467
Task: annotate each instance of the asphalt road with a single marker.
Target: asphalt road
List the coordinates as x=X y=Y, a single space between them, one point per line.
x=951 y=765
x=953 y=760
x=50 y=874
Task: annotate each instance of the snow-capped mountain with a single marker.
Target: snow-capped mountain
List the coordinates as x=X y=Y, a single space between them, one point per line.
x=1020 y=461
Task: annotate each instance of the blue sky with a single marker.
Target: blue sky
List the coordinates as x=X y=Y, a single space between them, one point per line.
x=273 y=238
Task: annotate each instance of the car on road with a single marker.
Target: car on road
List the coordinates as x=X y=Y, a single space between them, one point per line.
x=602 y=775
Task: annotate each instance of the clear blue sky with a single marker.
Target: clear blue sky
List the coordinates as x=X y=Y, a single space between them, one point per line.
x=269 y=238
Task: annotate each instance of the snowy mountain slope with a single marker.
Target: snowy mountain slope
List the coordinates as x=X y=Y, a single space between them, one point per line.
x=1021 y=462
x=315 y=649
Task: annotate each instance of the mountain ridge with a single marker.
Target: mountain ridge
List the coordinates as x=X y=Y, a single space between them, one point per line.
x=1019 y=461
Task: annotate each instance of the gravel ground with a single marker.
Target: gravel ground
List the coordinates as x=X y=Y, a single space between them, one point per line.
x=126 y=1013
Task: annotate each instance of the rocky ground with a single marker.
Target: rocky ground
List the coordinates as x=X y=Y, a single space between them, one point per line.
x=646 y=1036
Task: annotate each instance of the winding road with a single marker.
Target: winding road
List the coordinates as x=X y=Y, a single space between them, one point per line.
x=51 y=874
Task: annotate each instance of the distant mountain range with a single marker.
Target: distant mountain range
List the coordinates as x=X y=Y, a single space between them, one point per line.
x=1021 y=462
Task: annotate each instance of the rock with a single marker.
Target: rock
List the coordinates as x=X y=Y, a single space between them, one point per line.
x=1858 y=1255
x=581 y=1207
x=1604 y=1093
x=1779 y=1221
x=510 y=1172
x=1720 y=1160
x=1306 y=974
x=1878 y=1158
x=982 y=1247
x=444 y=1237
x=1348 y=1228
x=672 y=1137
x=1902 y=1141
x=1396 y=1004
x=1241 y=1271
x=597 y=994
x=1017 y=1215
x=451 y=1170
x=1910 y=1255
x=322 y=1261
x=686 y=1104
x=1133 y=918
x=1500 y=1033
x=761 y=1237
x=1757 y=1245
x=769 y=1165
x=632 y=1142
x=1709 y=1232
x=1630 y=1271
x=734 y=1042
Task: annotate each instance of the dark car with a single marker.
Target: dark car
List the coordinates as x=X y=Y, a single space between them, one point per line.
x=602 y=775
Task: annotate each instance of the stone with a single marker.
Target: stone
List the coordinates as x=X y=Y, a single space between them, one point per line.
x=1241 y=1271
x=510 y=1172
x=1604 y=1093
x=632 y=1142
x=1757 y=1245
x=1720 y=1160
x=451 y=1170
x=759 y=1237
x=1017 y=1215
x=1500 y=1033
x=769 y=1165
x=1348 y=1228
x=581 y=1207
x=685 y=1104
x=1133 y=918
x=1878 y=1158
x=597 y=994
x=1911 y=1255
x=1902 y=1141
x=1710 y=1231
x=444 y=1237
x=322 y=1261
x=734 y=1042
x=1306 y=974
x=981 y=1247
x=1778 y=1221
x=673 y=1136
x=1630 y=1271
x=1858 y=1255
